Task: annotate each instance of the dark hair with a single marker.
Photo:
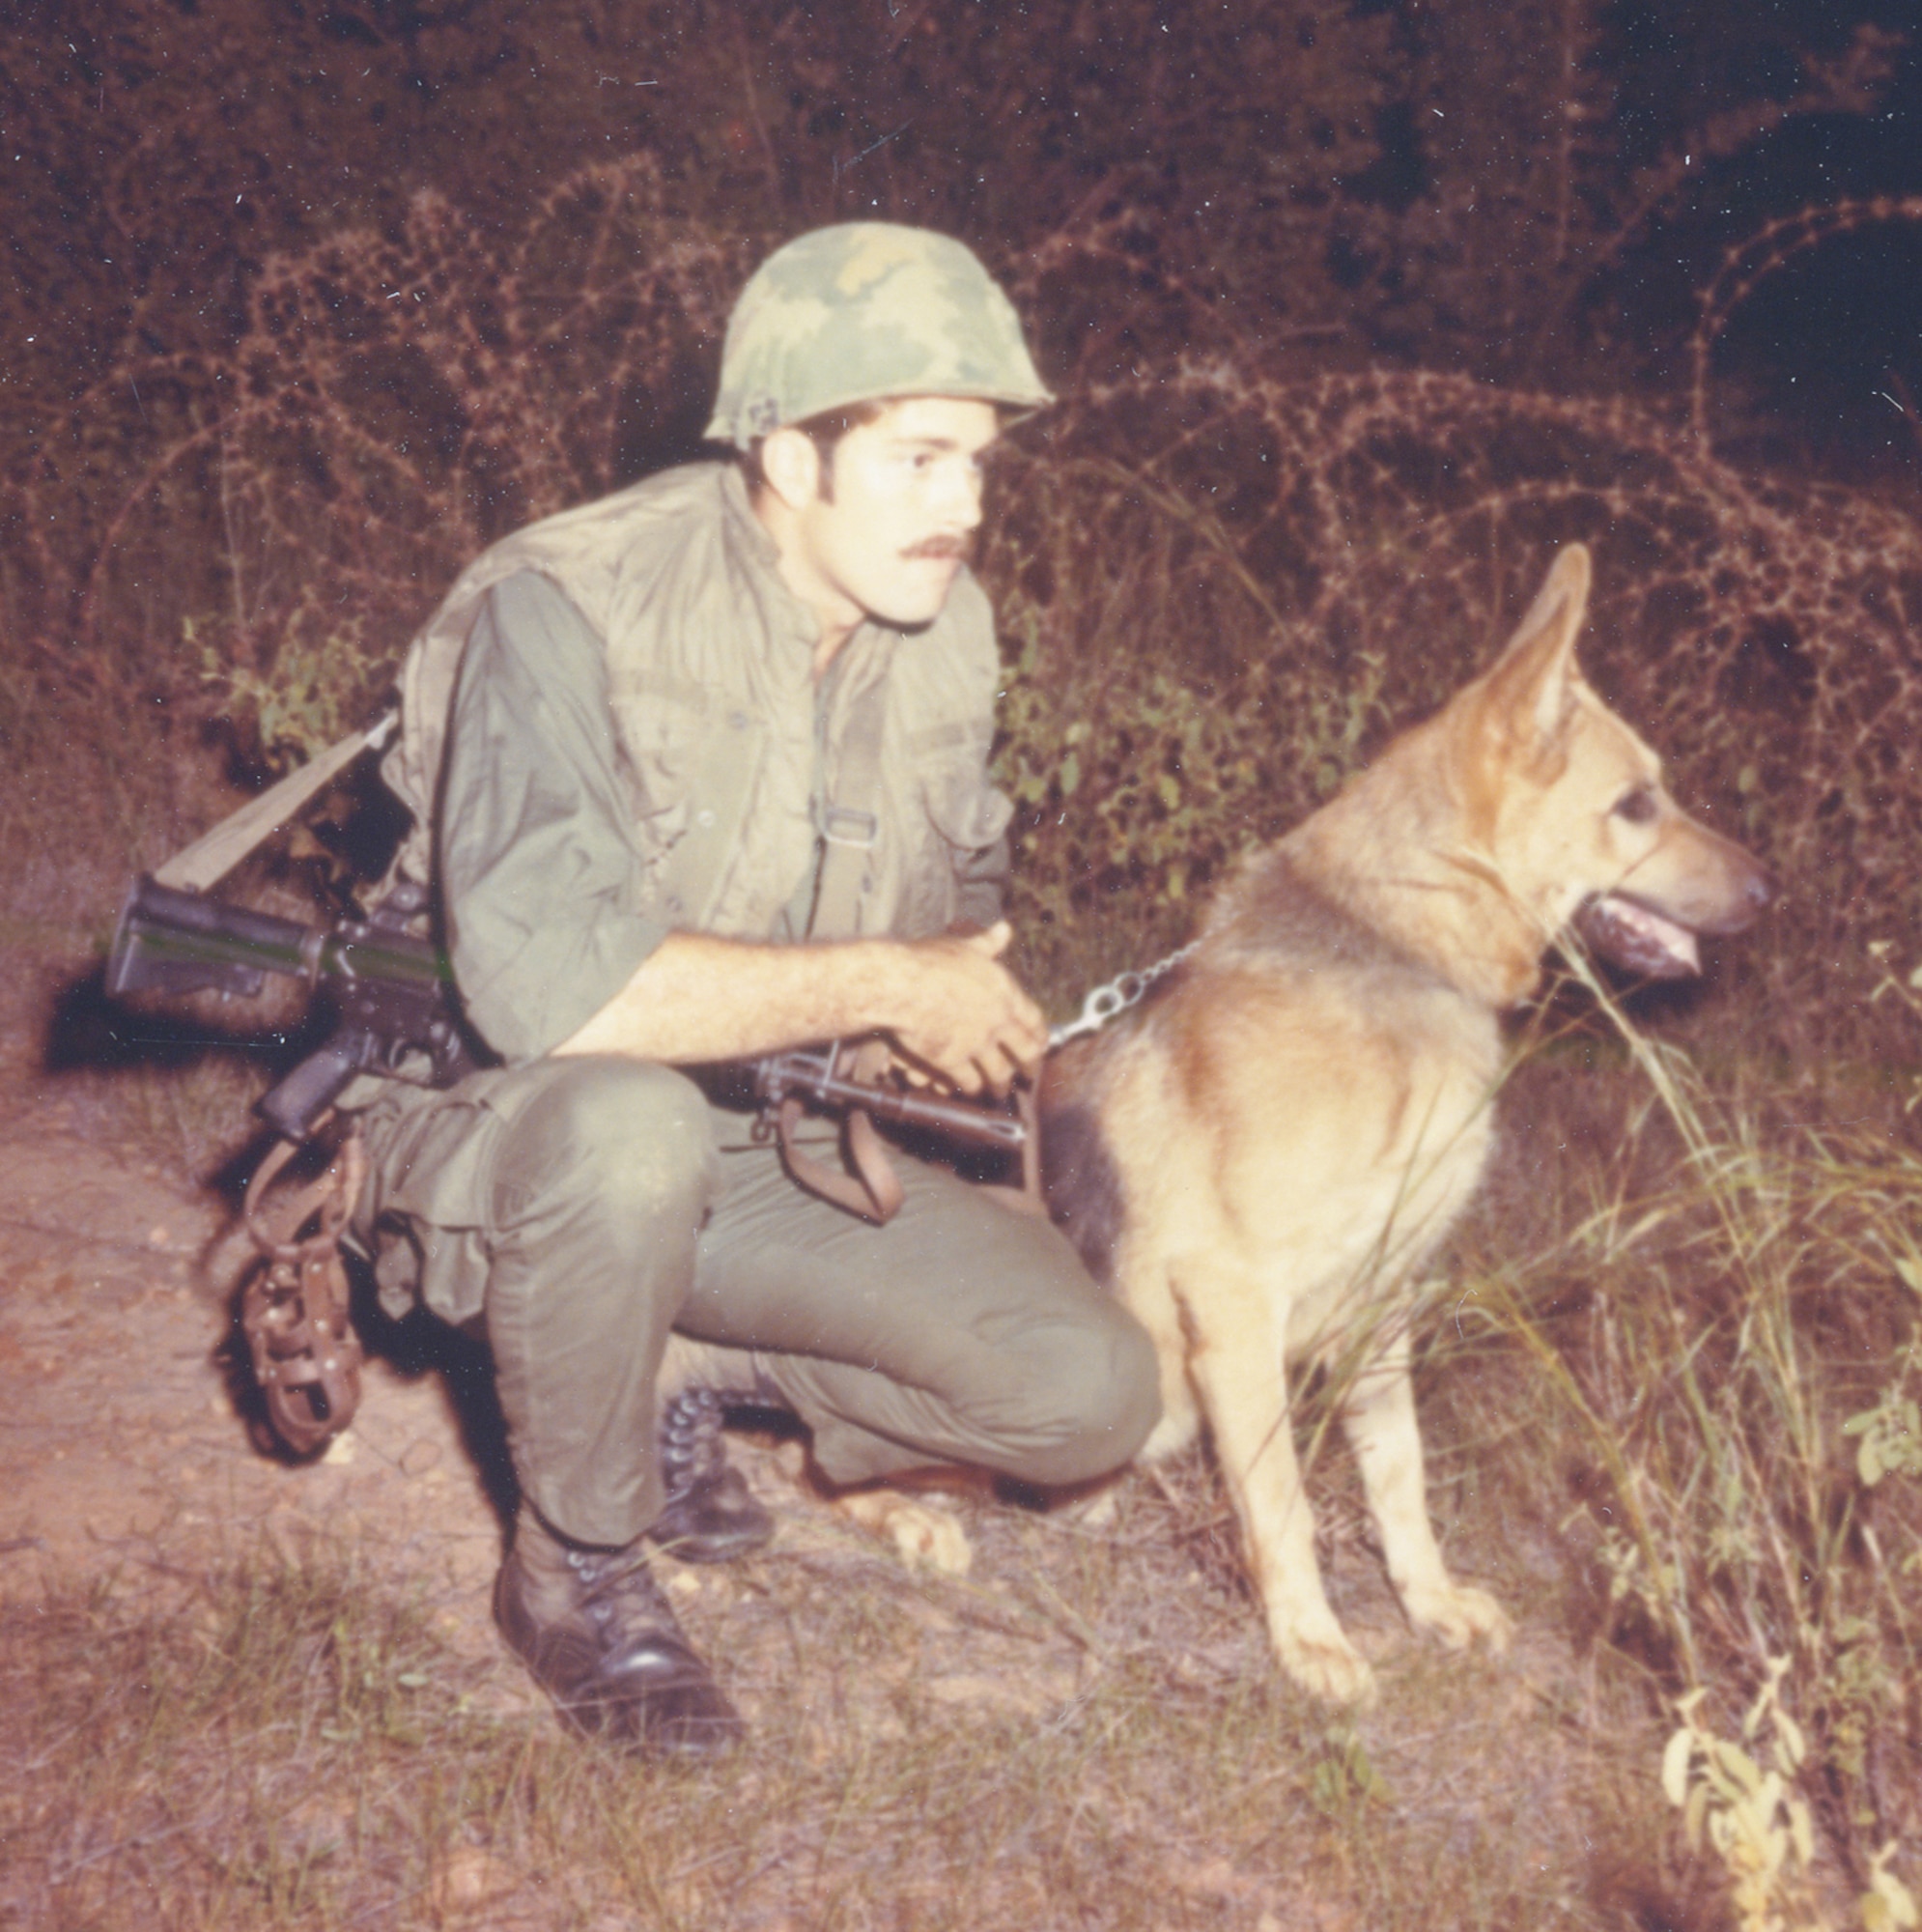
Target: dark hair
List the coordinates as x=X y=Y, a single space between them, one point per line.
x=825 y=432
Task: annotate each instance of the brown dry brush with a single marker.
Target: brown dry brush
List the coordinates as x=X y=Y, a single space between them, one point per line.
x=1283 y=567
x=1288 y=570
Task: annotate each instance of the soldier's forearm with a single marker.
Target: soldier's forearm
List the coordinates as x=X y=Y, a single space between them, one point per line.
x=947 y=1002
x=696 y=999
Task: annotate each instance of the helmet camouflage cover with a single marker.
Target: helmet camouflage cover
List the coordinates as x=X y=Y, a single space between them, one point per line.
x=862 y=312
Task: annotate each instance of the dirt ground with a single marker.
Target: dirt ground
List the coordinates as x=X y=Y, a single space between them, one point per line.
x=126 y=1450
x=121 y=1448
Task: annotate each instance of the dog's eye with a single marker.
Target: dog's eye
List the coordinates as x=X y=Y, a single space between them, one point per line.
x=1638 y=807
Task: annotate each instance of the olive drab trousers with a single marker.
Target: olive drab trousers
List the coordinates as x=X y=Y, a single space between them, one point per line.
x=582 y=1208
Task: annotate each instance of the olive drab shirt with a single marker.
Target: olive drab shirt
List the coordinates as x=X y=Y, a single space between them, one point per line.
x=725 y=760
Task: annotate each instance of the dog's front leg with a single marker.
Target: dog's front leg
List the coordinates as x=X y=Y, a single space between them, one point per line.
x=1378 y=1415
x=1241 y=1378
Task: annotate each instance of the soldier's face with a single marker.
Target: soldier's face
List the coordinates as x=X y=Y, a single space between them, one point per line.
x=887 y=535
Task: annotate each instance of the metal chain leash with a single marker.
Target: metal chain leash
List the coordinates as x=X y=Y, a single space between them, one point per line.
x=1109 y=1002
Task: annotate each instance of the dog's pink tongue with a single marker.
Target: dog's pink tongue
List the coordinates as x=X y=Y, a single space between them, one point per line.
x=1640 y=941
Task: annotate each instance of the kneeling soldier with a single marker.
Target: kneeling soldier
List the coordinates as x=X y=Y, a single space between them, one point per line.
x=699 y=772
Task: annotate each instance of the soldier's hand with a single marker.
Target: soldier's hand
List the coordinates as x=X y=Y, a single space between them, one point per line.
x=958 y=1010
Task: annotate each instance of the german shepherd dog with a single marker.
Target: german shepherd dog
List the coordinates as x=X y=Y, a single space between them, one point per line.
x=1261 y=1156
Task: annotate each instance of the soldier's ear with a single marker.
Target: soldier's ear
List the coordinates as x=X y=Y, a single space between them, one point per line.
x=792 y=467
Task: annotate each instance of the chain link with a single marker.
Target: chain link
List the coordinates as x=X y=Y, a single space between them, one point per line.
x=1109 y=1002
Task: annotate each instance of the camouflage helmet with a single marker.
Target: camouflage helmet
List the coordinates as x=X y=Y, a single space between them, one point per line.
x=860 y=313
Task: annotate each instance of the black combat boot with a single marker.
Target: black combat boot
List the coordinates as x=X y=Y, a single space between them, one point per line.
x=602 y=1639
x=711 y=1515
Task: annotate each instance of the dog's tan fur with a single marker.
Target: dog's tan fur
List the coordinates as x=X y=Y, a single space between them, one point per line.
x=1262 y=1157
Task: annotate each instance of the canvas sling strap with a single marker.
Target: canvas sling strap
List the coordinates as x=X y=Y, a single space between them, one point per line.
x=215 y=854
x=850 y=826
x=293 y=1303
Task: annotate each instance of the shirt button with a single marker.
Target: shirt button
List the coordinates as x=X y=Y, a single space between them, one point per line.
x=737 y=721
x=703 y=818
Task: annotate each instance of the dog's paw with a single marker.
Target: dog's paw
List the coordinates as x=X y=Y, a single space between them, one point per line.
x=1327 y=1667
x=1100 y=1511
x=1459 y=1613
x=926 y=1535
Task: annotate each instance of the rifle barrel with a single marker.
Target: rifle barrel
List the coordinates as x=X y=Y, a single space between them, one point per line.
x=812 y=1076
x=388 y=984
x=177 y=941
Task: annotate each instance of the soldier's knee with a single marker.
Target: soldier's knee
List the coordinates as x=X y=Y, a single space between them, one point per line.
x=1118 y=1396
x=622 y=1140
x=1093 y=1394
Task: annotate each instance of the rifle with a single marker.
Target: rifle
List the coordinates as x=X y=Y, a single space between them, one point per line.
x=812 y=1076
x=391 y=990
x=388 y=987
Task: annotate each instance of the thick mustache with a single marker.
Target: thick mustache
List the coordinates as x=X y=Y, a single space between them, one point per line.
x=960 y=550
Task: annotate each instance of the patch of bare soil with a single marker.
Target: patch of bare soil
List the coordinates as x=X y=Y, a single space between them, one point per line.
x=130 y=1451
x=123 y=1446
x=127 y=1456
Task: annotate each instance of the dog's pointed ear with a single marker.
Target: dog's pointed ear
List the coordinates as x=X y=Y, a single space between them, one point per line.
x=1529 y=695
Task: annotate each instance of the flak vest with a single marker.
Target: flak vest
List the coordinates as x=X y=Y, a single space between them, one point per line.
x=716 y=716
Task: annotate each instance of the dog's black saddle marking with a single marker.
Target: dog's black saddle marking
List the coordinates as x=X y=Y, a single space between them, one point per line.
x=1081 y=1184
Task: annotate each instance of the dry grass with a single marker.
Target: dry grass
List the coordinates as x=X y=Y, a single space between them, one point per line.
x=1721 y=1306
x=1636 y=1394
x=1088 y=1736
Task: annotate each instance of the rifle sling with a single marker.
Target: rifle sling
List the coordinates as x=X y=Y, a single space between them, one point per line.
x=870 y=1189
x=215 y=854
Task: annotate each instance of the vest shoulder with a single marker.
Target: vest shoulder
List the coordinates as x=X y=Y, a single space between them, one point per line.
x=676 y=500
x=969 y=607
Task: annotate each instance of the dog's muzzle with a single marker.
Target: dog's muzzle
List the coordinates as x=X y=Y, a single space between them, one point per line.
x=1638 y=938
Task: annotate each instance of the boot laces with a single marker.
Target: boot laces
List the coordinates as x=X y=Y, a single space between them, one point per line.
x=692 y=1448
x=620 y=1595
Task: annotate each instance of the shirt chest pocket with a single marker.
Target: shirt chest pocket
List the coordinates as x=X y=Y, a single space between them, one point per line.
x=689 y=767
